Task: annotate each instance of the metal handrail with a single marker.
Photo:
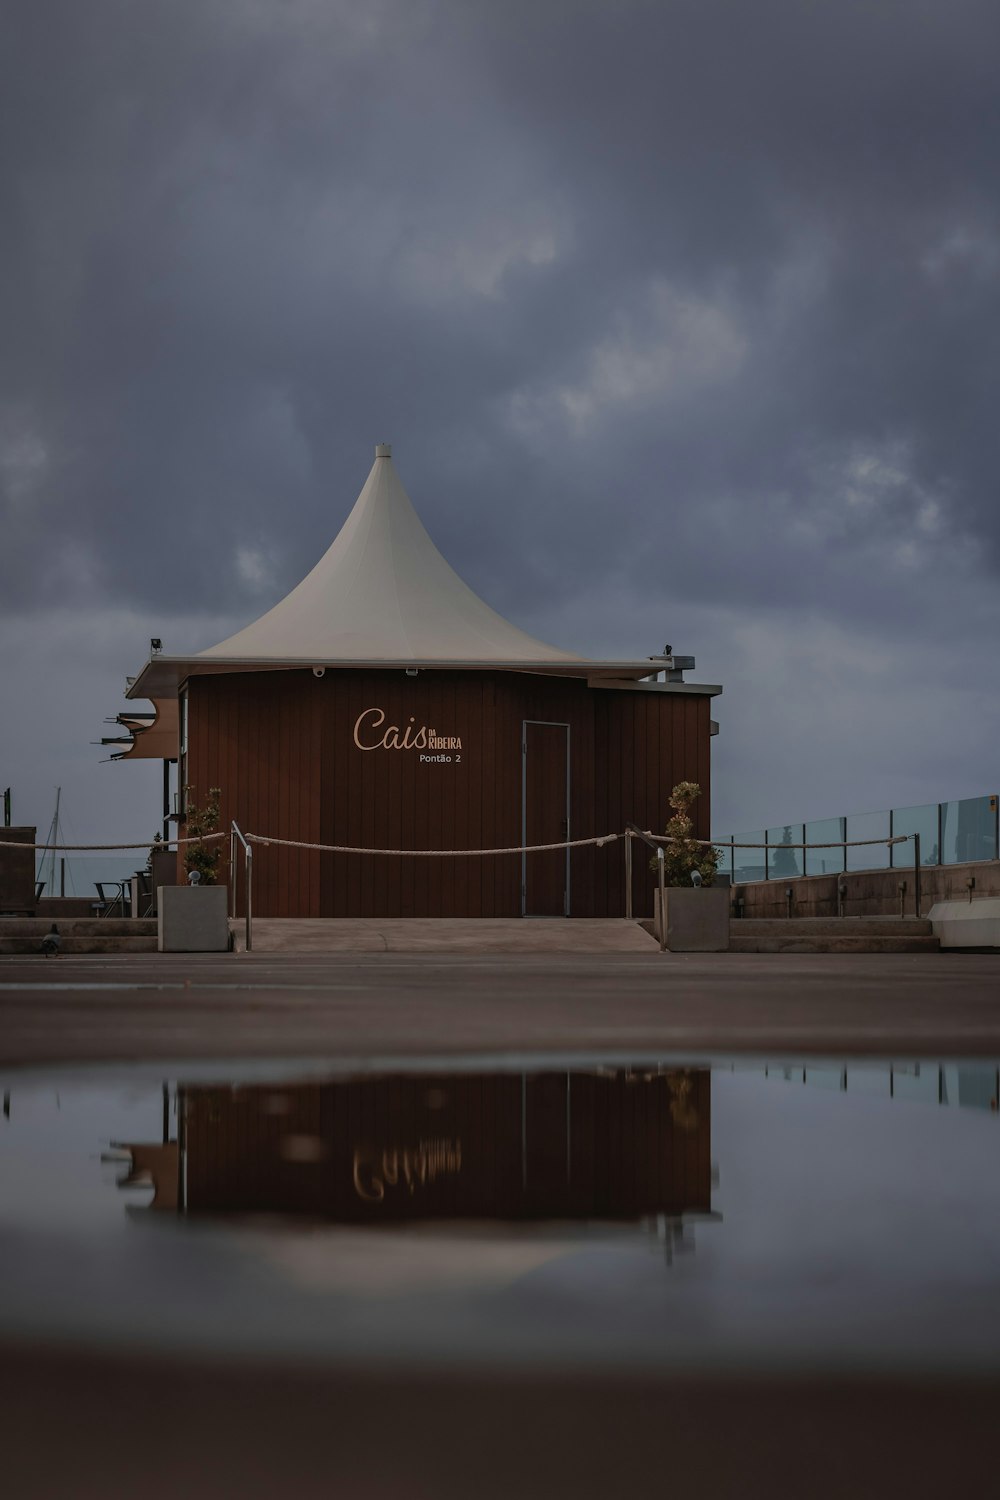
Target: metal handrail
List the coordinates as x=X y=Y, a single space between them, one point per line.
x=236 y=833
x=633 y=831
x=636 y=832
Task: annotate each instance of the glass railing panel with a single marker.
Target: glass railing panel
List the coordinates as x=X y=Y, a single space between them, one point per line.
x=968 y=830
x=865 y=1080
x=973 y=1086
x=725 y=865
x=783 y=861
x=868 y=826
x=785 y=1073
x=827 y=1078
x=920 y=1082
x=824 y=861
x=922 y=820
x=749 y=864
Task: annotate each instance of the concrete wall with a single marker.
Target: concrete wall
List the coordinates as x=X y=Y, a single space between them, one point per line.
x=870 y=893
x=17 y=870
x=67 y=906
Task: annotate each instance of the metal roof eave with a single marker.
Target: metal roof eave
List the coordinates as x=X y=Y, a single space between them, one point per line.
x=162 y=676
x=700 y=689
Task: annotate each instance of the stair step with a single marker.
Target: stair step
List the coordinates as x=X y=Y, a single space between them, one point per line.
x=73 y=945
x=78 y=927
x=791 y=943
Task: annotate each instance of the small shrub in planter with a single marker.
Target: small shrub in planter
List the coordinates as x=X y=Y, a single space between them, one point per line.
x=696 y=917
x=682 y=854
x=202 y=820
x=193 y=918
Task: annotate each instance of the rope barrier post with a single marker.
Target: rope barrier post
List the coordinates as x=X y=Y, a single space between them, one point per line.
x=628 y=875
x=662 y=882
x=916 y=875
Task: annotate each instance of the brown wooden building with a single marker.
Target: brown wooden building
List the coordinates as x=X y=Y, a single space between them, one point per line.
x=382 y=705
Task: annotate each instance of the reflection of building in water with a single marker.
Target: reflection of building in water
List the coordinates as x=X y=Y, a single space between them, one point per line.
x=596 y=1145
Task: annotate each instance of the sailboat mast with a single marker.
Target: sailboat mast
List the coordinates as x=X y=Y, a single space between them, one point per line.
x=53 y=838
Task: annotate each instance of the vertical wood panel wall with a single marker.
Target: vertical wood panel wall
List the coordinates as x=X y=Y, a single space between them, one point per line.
x=280 y=746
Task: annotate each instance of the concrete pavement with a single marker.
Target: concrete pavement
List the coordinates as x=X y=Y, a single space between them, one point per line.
x=390 y=1006
x=94 y=1425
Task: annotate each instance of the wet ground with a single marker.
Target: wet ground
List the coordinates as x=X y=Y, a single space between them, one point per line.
x=666 y=1215
x=500 y=1228
x=384 y=1006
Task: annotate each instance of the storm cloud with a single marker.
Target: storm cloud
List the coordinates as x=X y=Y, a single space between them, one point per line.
x=681 y=317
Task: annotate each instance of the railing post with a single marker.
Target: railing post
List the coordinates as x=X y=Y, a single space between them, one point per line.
x=661 y=881
x=234 y=834
x=628 y=875
x=916 y=875
x=232 y=872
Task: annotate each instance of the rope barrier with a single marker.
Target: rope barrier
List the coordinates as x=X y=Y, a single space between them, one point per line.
x=605 y=838
x=899 y=838
x=599 y=842
x=206 y=838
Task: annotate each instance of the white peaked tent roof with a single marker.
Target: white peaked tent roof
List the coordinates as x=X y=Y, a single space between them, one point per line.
x=383 y=592
x=382 y=595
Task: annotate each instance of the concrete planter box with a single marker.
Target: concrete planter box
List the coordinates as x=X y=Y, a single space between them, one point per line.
x=697 y=918
x=192 y=919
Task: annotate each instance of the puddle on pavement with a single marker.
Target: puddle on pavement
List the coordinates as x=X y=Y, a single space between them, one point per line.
x=659 y=1215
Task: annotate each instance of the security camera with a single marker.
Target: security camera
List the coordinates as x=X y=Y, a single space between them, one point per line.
x=155 y=644
x=319 y=671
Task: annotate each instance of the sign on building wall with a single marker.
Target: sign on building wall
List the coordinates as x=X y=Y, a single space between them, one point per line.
x=371 y=732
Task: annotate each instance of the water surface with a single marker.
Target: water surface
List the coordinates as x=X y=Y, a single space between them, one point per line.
x=665 y=1214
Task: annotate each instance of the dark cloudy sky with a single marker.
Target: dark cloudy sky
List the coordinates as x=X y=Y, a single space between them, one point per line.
x=682 y=318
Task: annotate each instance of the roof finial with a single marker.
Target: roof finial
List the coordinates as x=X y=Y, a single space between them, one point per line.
x=383 y=450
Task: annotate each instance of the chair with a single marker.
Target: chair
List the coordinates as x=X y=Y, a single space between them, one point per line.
x=110 y=904
x=145 y=897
